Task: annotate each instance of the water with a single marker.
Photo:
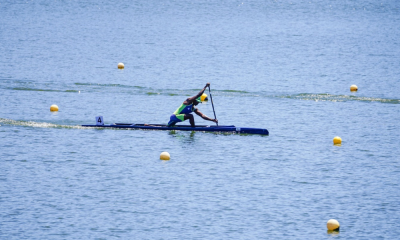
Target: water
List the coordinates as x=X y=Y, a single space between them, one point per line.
x=284 y=66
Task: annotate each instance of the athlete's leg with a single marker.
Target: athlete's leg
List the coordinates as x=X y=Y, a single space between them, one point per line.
x=191 y=119
x=171 y=123
x=173 y=120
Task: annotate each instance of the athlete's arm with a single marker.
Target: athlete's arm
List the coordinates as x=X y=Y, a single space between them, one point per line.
x=191 y=99
x=203 y=116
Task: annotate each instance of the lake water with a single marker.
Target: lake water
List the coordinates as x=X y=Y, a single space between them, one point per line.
x=280 y=65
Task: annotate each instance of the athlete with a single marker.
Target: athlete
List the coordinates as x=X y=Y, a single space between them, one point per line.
x=188 y=106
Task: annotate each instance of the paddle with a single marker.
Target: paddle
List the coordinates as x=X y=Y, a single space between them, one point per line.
x=209 y=90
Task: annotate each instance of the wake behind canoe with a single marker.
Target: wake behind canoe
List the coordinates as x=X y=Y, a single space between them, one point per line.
x=200 y=128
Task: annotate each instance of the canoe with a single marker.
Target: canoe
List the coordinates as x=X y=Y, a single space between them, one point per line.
x=199 y=128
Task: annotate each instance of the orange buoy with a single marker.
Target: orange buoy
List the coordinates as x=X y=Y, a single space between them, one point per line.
x=353 y=88
x=53 y=108
x=333 y=225
x=165 y=156
x=337 y=140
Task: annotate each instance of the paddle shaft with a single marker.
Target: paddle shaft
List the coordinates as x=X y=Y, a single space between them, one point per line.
x=212 y=103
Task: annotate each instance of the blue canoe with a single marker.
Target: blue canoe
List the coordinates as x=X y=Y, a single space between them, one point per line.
x=200 y=128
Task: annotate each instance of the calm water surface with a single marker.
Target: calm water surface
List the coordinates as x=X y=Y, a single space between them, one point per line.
x=284 y=66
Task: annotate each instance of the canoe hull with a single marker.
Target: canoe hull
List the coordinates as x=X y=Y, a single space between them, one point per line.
x=200 y=128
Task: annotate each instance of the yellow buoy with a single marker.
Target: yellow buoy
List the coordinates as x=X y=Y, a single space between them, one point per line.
x=121 y=65
x=353 y=88
x=333 y=225
x=54 y=108
x=337 y=140
x=164 y=156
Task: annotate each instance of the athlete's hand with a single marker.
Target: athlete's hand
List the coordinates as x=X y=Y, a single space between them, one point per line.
x=208 y=84
x=215 y=120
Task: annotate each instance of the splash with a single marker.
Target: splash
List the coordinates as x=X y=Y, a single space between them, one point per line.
x=35 y=124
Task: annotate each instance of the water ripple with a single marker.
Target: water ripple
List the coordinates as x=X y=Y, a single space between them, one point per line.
x=338 y=98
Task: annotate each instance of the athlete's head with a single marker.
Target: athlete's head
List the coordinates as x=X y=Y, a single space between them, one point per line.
x=202 y=98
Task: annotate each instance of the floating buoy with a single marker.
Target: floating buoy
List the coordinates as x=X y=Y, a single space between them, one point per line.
x=337 y=140
x=353 y=88
x=53 y=108
x=164 y=156
x=121 y=65
x=333 y=225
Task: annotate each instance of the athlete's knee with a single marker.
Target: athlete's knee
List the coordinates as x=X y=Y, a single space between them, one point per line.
x=188 y=116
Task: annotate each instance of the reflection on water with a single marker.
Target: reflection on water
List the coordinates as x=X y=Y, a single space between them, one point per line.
x=183 y=136
x=332 y=232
